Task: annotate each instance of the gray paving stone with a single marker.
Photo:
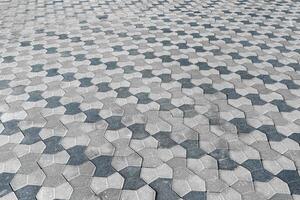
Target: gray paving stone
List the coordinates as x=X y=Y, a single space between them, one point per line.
x=6 y=178
x=112 y=194
x=163 y=189
x=27 y=192
x=149 y=100
x=103 y=166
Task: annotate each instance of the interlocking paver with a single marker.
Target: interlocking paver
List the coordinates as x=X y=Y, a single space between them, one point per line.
x=149 y=100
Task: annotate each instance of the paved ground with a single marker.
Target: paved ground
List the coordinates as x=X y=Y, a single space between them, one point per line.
x=160 y=99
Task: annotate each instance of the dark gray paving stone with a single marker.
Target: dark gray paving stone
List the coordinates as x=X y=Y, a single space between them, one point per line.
x=80 y=57
x=257 y=170
x=254 y=59
x=114 y=123
x=193 y=149
x=208 y=89
x=227 y=164
x=164 y=140
x=275 y=63
x=281 y=197
x=52 y=72
x=132 y=178
x=118 y=48
x=37 y=68
x=138 y=131
x=186 y=83
x=236 y=56
x=103 y=166
x=92 y=115
x=95 y=61
x=194 y=195
x=103 y=87
x=85 y=82
x=38 y=47
x=242 y=125
x=69 y=77
x=282 y=106
x=111 y=65
x=77 y=155
x=10 y=127
x=143 y=98
x=129 y=69
x=261 y=175
x=133 y=52
x=72 y=108
x=35 y=96
x=188 y=110
x=292 y=178
x=166 y=59
x=163 y=188
x=165 y=78
x=63 y=36
x=8 y=59
x=255 y=99
x=290 y=84
x=223 y=70
x=53 y=145
x=5 y=179
x=75 y=39
x=146 y=73
x=295 y=137
x=53 y=102
x=266 y=79
x=31 y=136
x=123 y=92
x=184 y=62
x=271 y=133
x=28 y=192
x=51 y=50
x=165 y=104
x=149 y=55
x=244 y=75
x=224 y=160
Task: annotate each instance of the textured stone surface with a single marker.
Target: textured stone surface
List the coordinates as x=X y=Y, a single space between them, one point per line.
x=128 y=99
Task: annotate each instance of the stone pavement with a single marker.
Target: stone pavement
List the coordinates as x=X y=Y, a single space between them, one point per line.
x=149 y=99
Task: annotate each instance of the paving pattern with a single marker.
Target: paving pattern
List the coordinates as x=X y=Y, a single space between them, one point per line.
x=144 y=100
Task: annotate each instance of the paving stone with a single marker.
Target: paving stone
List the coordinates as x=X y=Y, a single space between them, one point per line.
x=31 y=136
x=27 y=192
x=103 y=166
x=193 y=150
x=53 y=145
x=81 y=193
x=195 y=195
x=151 y=174
x=138 y=131
x=257 y=170
x=100 y=184
x=113 y=194
x=77 y=155
x=151 y=100
x=132 y=178
x=5 y=180
x=163 y=189
x=290 y=177
x=145 y=192
x=114 y=123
